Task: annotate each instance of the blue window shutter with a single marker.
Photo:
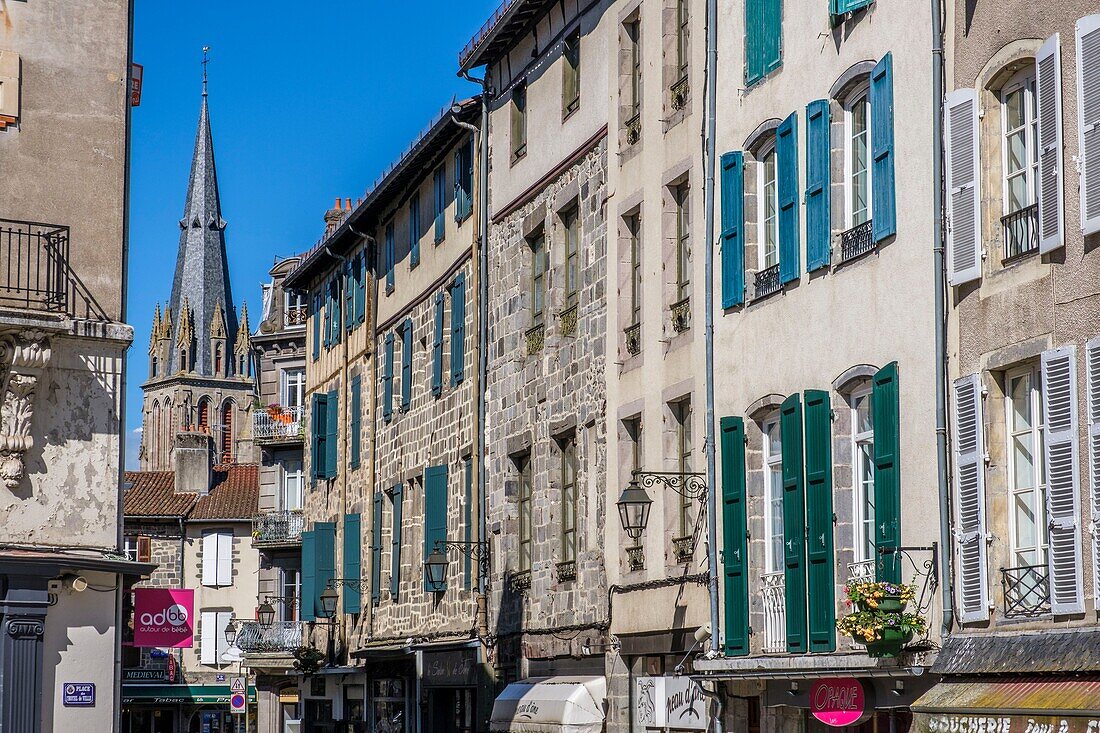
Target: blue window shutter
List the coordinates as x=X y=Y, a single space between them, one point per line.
x=435 y=513
x=316 y=326
x=332 y=434
x=818 y=221
x=406 y=364
x=458 y=329
x=437 y=346
x=350 y=290
x=763 y=38
x=464 y=176
x=885 y=419
x=733 y=222
x=440 y=203
x=735 y=600
x=820 y=580
x=468 y=520
x=326 y=558
x=387 y=380
x=414 y=230
x=336 y=323
x=328 y=316
x=376 y=551
x=883 y=210
x=353 y=563
x=773 y=35
x=356 y=419
x=317 y=426
x=360 y=291
x=309 y=576
x=395 y=548
x=391 y=258
x=786 y=155
x=794 y=523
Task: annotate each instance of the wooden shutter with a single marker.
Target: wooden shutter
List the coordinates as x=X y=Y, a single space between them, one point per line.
x=376 y=550
x=225 y=558
x=208 y=638
x=361 y=288
x=468 y=521
x=886 y=423
x=326 y=556
x=818 y=220
x=440 y=203
x=733 y=223
x=351 y=291
x=458 y=329
x=437 y=346
x=144 y=549
x=1064 y=557
x=223 y=619
x=883 y=208
x=1088 y=120
x=391 y=258
x=309 y=576
x=395 y=540
x=353 y=562
x=406 y=364
x=1048 y=89
x=962 y=170
x=754 y=41
x=786 y=159
x=794 y=523
x=820 y=560
x=316 y=317
x=435 y=514
x=210 y=559
x=356 y=419
x=735 y=600
x=387 y=380
x=327 y=295
x=336 y=323
x=970 y=530
x=1092 y=372
x=414 y=230
x=317 y=426
x=332 y=415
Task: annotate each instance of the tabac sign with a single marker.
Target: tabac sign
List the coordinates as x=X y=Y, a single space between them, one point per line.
x=670 y=702
x=164 y=617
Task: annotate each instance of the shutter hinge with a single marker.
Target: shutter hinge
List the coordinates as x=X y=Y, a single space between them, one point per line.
x=835 y=520
x=832 y=415
x=751 y=632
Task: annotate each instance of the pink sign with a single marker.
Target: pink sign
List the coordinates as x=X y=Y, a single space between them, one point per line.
x=164 y=617
x=838 y=701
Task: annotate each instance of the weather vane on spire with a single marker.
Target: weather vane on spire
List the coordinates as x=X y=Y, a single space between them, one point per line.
x=205 y=61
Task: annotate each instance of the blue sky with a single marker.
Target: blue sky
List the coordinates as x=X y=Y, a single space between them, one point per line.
x=307 y=102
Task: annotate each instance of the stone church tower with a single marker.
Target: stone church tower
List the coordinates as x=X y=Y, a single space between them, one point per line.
x=200 y=365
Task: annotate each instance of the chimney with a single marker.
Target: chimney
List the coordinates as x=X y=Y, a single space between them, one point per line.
x=194 y=461
x=333 y=216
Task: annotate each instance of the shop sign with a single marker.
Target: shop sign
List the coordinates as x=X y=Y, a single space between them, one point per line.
x=137 y=71
x=451 y=668
x=1008 y=724
x=670 y=702
x=151 y=674
x=839 y=701
x=164 y=617
x=78 y=694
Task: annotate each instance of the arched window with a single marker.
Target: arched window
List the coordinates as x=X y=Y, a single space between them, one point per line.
x=204 y=415
x=857 y=160
x=1020 y=162
x=227 y=433
x=218 y=360
x=155 y=367
x=154 y=437
x=183 y=360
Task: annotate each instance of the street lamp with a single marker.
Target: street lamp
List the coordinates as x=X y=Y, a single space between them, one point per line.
x=436 y=564
x=436 y=569
x=634 y=503
x=231 y=631
x=329 y=600
x=266 y=615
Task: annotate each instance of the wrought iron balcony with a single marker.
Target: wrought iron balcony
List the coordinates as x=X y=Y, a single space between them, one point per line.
x=297 y=315
x=683 y=548
x=536 y=338
x=634 y=129
x=767 y=281
x=278 y=529
x=635 y=557
x=680 y=312
x=773 y=591
x=567 y=571
x=520 y=581
x=856 y=241
x=280 y=637
x=277 y=424
x=633 y=339
x=36 y=273
x=861 y=571
x=679 y=92
x=1026 y=591
x=568 y=320
x=1021 y=231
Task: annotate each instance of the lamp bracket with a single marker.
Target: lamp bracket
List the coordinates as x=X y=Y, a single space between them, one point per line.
x=690 y=485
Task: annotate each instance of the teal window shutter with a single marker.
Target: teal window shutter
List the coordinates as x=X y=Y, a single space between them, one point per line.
x=361 y=315
x=437 y=346
x=336 y=324
x=414 y=230
x=391 y=258
x=820 y=583
x=309 y=576
x=763 y=38
x=440 y=202
x=356 y=419
x=435 y=514
x=885 y=419
x=350 y=291
x=786 y=160
x=328 y=316
x=376 y=551
x=735 y=599
x=464 y=180
x=316 y=326
x=318 y=424
x=883 y=214
x=818 y=220
x=733 y=223
x=468 y=520
x=353 y=563
x=395 y=546
x=326 y=558
x=332 y=433
x=458 y=329
x=838 y=8
x=406 y=364
x=387 y=380
x=794 y=523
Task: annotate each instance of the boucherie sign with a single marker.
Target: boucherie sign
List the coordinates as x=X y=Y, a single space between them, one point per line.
x=839 y=701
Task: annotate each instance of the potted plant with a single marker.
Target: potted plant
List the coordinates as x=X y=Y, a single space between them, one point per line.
x=884 y=633
x=886 y=597
x=307 y=660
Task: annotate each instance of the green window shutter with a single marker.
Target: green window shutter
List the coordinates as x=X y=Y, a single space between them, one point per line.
x=316 y=315
x=353 y=562
x=458 y=329
x=327 y=339
x=440 y=203
x=881 y=97
x=763 y=38
x=336 y=324
x=318 y=423
x=406 y=364
x=391 y=258
x=838 y=8
x=326 y=558
x=468 y=520
x=332 y=433
x=360 y=288
x=435 y=513
x=794 y=523
x=734 y=537
x=786 y=160
x=818 y=220
x=885 y=419
x=309 y=576
x=387 y=380
x=733 y=223
x=356 y=419
x=437 y=346
x=414 y=230
x=820 y=582
x=376 y=551
x=395 y=546
x=350 y=291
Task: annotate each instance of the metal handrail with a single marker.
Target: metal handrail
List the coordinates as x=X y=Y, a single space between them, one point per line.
x=1021 y=231
x=766 y=281
x=285 y=423
x=281 y=527
x=1026 y=591
x=856 y=241
x=36 y=272
x=280 y=636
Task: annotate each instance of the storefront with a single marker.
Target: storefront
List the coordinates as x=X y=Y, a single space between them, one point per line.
x=1049 y=703
x=449 y=682
x=181 y=709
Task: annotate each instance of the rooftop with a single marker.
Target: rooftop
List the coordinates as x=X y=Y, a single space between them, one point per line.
x=234 y=495
x=512 y=19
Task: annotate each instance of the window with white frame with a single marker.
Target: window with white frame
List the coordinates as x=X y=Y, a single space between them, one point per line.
x=130 y=548
x=773 y=499
x=769 y=209
x=293 y=485
x=1020 y=162
x=857 y=168
x=294 y=387
x=1026 y=476
x=217 y=558
x=295 y=308
x=290 y=590
x=863 y=478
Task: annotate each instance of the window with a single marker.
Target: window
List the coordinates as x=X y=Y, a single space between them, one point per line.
x=294 y=309
x=773 y=498
x=214 y=645
x=633 y=36
x=218 y=358
x=683 y=252
x=355 y=434
x=317 y=308
x=634 y=229
x=293 y=387
x=335 y=324
x=204 y=415
x=538 y=278
x=227 y=433
x=440 y=183
x=519 y=121
x=769 y=210
x=217 y=558
x=525 y=491
x=464 y=180
x=857 y=189
x=292 y=485
x=571 y=74
x=569 y=499
x=681 y=415
x=682 y=52
x=458 y=329
x=9 y=88
x=1020 y=161
x=129 y=548
x=863 y=466
x=390 y=256
x=571 y=223
x=1026 y=475
x=290 y=589
x=414 y=230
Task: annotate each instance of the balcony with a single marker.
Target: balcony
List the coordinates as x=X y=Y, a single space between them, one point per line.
x=775 y=612
x=767 y=281
x=568 y=321
x=683 y=548
x=36 y=274
x=680 y=312
x=278 y=529
x=862 y=571
x=679 y=93
x=282 y=637
x=856 y=241
x=276 y=424
x=633 y=339
x=296 y=315
x=1026 y=591
x=536 y=339
x=1021 y=231
x=634 y=129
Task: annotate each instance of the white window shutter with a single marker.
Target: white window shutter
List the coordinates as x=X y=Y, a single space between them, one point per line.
x=225 y=558
x=1048 y=83
x=964 y=238
x=1092 y=373
x=210 y=559
x=970 y=533
x=1088 y=120
x=1064 y=557
x=222 y=643
x=208 y=637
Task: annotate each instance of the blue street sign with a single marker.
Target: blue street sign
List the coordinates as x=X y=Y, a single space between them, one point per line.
x=78 y=694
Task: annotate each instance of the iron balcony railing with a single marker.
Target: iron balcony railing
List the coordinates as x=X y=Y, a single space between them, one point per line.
x=274 y=424
x=1026 y=591
x=281 y=636
x=633 y=339
x=633 y=128
x=767 y=281
x=680 y=313
x=1021 y=231
x=774 y=596
x=856 y=241
x=679 y=92
x=297 y=315
x=278 y=528
x=36 y=273
x=861 y=571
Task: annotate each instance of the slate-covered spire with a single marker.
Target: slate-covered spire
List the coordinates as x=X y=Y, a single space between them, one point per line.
x=202 y=269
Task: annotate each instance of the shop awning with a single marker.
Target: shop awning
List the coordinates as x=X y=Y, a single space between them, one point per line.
x=551 y=705
x=1009 y=705
x=180 y=694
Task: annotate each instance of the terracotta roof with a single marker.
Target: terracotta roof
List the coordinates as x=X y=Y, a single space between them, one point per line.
x=235 y=495
x=153 y=494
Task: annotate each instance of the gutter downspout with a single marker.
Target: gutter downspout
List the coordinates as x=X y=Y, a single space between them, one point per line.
x=940 y=316
x=710 y=71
